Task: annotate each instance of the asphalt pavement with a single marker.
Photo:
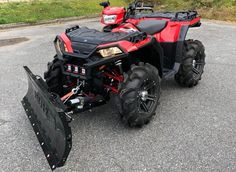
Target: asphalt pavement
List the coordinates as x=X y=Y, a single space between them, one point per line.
x=194 y=129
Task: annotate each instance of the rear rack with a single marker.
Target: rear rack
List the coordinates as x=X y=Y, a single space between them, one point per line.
x=173 y=16
x=185 y=15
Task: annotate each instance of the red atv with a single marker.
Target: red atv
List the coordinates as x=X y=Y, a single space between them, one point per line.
x=129 y=58
x=170 y=30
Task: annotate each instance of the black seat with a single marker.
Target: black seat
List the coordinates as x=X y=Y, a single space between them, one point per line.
x=152 y=26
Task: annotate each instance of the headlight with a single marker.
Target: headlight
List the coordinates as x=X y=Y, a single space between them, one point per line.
x=110 y=51
x=109 y=19
x=60 y=46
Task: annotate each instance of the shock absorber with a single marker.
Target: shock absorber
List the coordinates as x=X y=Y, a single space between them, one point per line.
x=119 y=64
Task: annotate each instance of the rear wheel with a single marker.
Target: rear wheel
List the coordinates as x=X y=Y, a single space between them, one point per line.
x=53 y=77
x=193 y=63
x=139 y=95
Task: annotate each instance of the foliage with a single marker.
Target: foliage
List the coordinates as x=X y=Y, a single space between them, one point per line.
x=37 y=10
x=212 y=9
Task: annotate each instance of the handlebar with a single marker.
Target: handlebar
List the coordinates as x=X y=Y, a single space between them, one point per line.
x=139 y=5
x=105 y=4
x=142 y=4
x=136 y=5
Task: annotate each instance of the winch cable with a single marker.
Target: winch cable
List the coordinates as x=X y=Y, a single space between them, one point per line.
x=74 y=91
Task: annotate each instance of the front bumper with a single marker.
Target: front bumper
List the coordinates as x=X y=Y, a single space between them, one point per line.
x=90 y=65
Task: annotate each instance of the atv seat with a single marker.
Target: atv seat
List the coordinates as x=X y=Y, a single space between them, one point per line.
x=151 y=26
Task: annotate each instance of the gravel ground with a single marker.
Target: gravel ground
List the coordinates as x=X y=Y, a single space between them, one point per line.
x=194 y=129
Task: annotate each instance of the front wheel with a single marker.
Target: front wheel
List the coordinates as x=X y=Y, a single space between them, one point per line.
x=139 y=95
x=53 y=76
x=193 y=63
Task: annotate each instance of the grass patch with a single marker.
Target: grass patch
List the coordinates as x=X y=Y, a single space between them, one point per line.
x=37 y=10
x=210 y=9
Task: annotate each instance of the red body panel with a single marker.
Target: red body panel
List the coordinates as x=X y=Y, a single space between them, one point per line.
x=67 y=42
x=118 y=11
x=169 y=34
x=126 y=27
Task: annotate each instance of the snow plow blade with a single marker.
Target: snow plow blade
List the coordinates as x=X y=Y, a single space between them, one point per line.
x=49 y=120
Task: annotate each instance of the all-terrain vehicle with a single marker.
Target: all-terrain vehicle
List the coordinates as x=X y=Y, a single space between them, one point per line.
x=128 y=58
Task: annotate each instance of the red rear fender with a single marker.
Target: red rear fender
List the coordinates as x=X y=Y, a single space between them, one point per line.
x=171 y=32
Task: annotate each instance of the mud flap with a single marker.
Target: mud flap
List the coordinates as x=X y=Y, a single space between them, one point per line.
x=49 y=120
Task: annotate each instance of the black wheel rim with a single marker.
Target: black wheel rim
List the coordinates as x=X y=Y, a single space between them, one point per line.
x=148 y=96
x=198 y=65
